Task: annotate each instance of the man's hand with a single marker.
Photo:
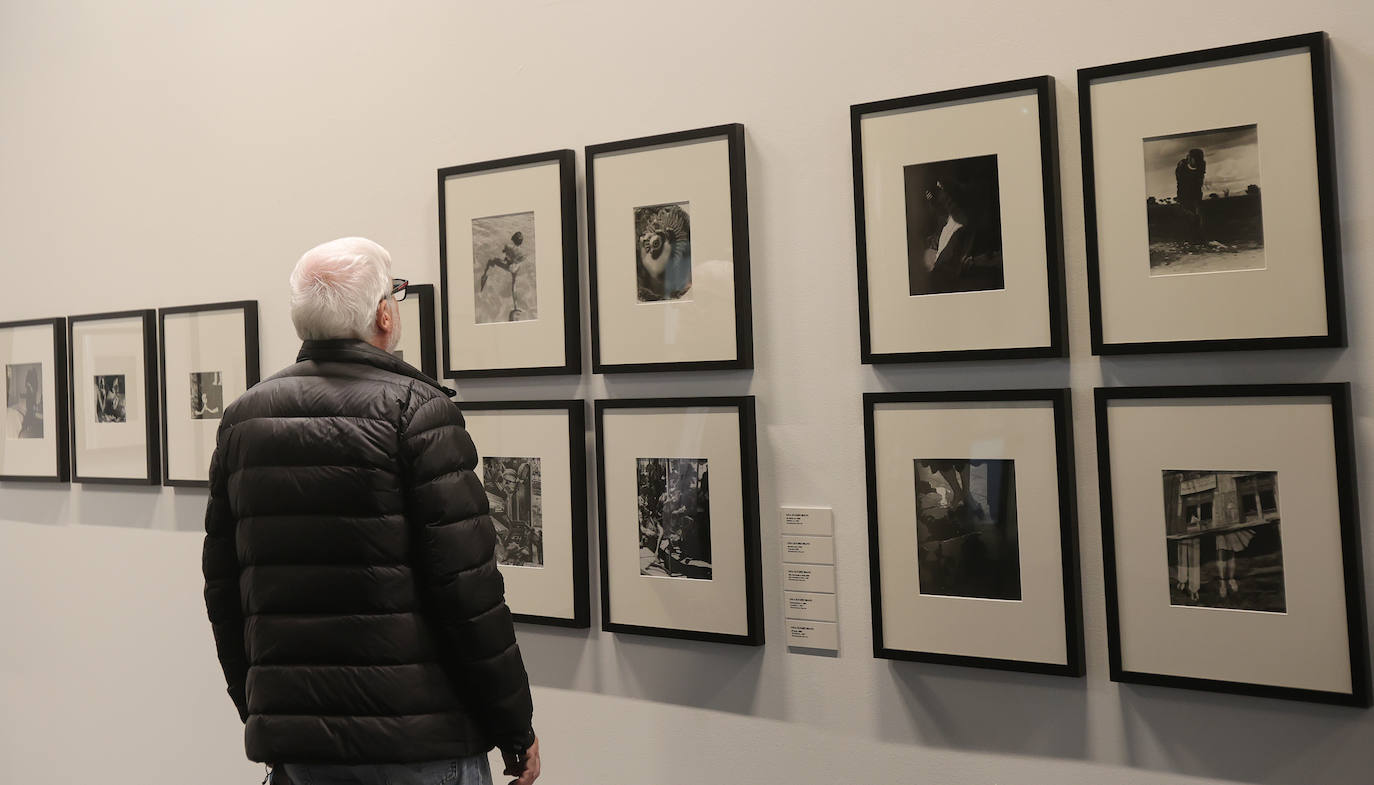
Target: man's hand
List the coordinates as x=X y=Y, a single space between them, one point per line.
x=526 y=769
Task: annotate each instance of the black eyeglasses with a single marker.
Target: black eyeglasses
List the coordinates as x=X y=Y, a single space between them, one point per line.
x=399 y=287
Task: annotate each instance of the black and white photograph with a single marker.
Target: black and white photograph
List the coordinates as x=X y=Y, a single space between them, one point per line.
x=207 y=395
x=1203 y=201
x=110 y=390
x=674 y=517
x=516 y=500
x=663 y=252
x=953 y=226
x=24 y=401
x=1222 y=530
x=503 y=268
x=966 y=528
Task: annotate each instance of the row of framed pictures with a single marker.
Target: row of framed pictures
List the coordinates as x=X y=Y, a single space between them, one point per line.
x=1209 y=201
x=82 y=392
x=1231 y=536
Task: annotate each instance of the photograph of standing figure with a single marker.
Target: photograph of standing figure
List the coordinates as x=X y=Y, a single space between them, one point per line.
x=663 y=252
x=674 y=517
x=953 y=226
x=503 y=269
x=24 y=401
x=515 y=495
x=1222 y=534
x=966 y=537
x=109 y=398
x=207 y=395
x=1203 y=201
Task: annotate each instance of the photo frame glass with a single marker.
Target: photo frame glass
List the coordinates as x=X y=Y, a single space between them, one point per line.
x=33 y=444
x=114 y=410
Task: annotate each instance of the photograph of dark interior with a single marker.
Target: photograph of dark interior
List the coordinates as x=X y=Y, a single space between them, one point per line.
x=1222 y=533
x=953 y=226
x=1203 y=201
x=515 y=495
x=503 y=269
x=663 y=252
x=207 y=395
x=24 y=401
x=674 y=496
x=109 y=398
x=966 y=537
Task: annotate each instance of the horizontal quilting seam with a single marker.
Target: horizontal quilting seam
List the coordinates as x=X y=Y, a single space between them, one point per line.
x=312 y=417
x=455 y=713
x=430 y=428
x=316 y=666
x=332 y=614
x=255 y=467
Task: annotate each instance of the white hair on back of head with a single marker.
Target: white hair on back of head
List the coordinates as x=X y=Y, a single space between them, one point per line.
x=336 y=287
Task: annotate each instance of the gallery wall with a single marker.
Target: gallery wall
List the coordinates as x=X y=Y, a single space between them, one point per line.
x=158 y=154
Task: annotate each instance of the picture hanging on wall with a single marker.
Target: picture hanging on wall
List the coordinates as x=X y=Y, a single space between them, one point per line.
x=972 y=529
x=1210 y=200
x=417 y=329
x=112 y=368
x=35 y=442
x=678 y=485
x=956 y=210
x=1230 y=529
x=209 y=357
x=533 y=467
x=668 y=244
x=508 y=276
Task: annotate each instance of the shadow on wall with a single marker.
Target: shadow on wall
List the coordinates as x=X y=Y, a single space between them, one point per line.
x=554 y=657
x=43 y=503
x=188 y=509
x=691 y=673
x=976 y=709
x=128 y=506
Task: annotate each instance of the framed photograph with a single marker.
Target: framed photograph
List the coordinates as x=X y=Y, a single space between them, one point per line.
x=956 y=211
x=417 y=329
x=35 y=444
x=678 y=483
x=208 y=357
x=534 y=452
x=508 y=277
x=1231 y=540
x=112 y=368
x=972 y=529
x=1211 y=202
x=668 y=243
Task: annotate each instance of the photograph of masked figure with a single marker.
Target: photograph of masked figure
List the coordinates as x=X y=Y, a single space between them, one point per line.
x=663 y=252
x=515 y=494
x=674 y=518
x=953 y=226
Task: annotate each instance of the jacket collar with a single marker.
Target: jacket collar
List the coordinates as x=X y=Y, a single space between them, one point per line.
x=352 y=350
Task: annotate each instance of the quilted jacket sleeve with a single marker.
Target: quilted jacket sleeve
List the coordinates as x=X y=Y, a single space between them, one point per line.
x=219 y=562
x=456 y=563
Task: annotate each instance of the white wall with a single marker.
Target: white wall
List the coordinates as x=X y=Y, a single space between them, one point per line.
x=165 y=153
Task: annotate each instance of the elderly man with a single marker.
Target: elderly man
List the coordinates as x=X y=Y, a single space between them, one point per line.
x=350 y=572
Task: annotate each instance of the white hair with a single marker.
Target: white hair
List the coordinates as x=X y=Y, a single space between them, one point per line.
x=336 y=287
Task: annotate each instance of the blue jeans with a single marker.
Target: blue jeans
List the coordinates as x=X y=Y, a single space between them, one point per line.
x=460 y=771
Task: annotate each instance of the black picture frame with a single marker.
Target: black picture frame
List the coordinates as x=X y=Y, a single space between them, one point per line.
x=1339 y=395
x=252 y=368
x=733 y=133
x=572 y=316
x=577 y=452
x=1061 y=402
x=60 y=411
x=152 y=389
x=429 y=358
x=1043 y=86
x=1319 y=50
x=753 y=577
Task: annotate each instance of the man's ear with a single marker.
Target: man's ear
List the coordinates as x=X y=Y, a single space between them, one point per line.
x=383 y=317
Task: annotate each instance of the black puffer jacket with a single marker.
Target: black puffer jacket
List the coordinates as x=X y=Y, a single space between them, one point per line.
x=350 y=572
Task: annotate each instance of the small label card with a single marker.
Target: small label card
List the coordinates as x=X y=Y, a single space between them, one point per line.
x=808 y=577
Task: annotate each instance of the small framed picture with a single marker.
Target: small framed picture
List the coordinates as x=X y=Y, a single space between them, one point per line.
x=209 y=357
x=1231 y=540
x=112 y=368
x=678 y=483
x=533 y=466
x=668 y=243
x=1209 y=197
x=35 y=444
x=417 y=329
x=956 y=210
x=508 y=275
x=972 y=529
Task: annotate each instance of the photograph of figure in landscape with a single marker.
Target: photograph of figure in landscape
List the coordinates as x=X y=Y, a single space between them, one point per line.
x=663 y=252
x=966 y=535
x=674 y=517
x=1221 y=529
x=1202 y=201
x=24 y=401
x=515 y=495
x=109 y=398
x=953 y=226
x=503 y=269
